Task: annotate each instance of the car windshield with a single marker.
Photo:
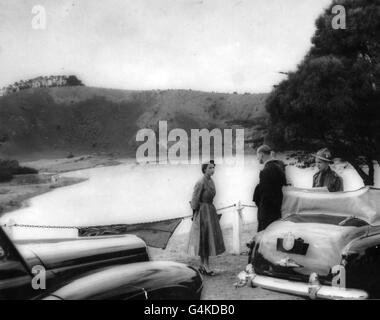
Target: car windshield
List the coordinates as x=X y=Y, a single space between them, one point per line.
x=344 y=221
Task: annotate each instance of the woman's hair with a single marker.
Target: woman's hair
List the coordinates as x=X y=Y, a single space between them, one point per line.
x=205 y=165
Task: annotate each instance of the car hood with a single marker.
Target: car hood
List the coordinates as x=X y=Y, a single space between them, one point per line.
x=116 y=281
x=319 y=245
x=61 y=253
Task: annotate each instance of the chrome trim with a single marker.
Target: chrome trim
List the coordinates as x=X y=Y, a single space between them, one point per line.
x=288 y=263
x=312 y=290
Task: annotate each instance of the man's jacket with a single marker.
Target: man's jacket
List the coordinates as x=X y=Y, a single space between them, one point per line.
x=329 y=179
x=268 y=193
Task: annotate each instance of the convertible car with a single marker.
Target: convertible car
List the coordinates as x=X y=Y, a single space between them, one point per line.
x=100 y=267
x=327 y=245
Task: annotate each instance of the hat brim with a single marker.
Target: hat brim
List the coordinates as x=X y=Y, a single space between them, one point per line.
x=322 y=158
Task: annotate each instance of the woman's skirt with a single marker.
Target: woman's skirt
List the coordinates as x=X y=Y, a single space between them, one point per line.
x=206 y=238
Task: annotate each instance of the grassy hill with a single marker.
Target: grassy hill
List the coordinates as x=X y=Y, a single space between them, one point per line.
x=57 y=121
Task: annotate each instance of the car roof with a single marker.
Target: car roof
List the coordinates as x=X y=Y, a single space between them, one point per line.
x=363 y=203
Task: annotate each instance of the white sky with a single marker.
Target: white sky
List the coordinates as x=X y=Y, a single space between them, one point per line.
x=209 y=45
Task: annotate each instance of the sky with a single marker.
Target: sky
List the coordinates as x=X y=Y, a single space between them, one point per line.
x=209 y=45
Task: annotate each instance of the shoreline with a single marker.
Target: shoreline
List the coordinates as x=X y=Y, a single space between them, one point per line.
x=15 y=194
x=16 y=197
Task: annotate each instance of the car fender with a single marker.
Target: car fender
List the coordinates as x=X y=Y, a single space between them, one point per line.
x=360 y=246
x=361 y=259
x=133 y=281
x=253 y=245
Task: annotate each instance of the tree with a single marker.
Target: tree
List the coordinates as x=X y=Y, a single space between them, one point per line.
x=332 y=99
x=74 y=81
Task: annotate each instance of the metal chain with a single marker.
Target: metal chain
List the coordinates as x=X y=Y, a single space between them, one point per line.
x=38 y=226
x=248 y=206
x=79 y=227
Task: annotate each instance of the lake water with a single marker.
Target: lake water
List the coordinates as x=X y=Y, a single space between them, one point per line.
x=131 y=193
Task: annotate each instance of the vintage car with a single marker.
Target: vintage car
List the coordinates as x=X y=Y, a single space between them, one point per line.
x=100 y=267
x=327 y=245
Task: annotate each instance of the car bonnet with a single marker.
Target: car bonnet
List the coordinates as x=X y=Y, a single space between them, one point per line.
x=59 y=253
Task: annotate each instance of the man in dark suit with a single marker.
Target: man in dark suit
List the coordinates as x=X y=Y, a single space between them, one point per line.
x=268 y=193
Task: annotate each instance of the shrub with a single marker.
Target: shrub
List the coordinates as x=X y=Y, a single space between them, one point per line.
x=11 y=164
x=4 y=137
x=24 y=170
x=8 y=168
x=74 y=81
x=5 y=174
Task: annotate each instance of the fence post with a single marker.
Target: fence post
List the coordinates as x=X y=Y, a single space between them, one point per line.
x=236 y=229
x=10 y=227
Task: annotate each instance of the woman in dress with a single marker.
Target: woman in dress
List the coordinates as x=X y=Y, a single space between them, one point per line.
x=206 y=237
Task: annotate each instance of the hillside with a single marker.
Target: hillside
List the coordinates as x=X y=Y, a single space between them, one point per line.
x=57 y=121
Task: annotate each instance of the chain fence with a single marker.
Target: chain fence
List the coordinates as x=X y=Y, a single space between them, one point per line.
x=238 y=205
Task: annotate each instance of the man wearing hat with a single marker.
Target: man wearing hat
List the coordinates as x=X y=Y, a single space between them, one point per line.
x=326 y=177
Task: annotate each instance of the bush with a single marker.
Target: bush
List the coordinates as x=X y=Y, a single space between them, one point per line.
x=24 y=170
x=74 y=81
x=8 y=168
x=4 y=137
x=11 y=164
x=5 y=174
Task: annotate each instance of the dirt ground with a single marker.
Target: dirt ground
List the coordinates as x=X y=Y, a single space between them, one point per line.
x=227 y=266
